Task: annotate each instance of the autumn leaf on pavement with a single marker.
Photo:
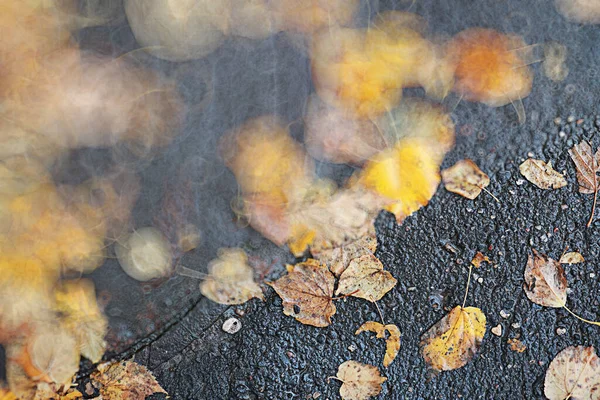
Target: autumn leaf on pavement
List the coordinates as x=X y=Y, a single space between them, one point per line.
x=541 y=174
x=47 y=391
x=455 y=339
x=588 y=166
x=571 y=257
x=307 y=292
x=6 y=394
x=546 y=283
x=230 y=279
x=338 y=258
x=479 y=258
x=365 y=278
x=392 y=342
x=359 y=381
x=125 y=380
x=465 y=178
x=573 y=374
x=516 y=345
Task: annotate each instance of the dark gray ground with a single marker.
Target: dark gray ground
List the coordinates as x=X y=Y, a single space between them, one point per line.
x=275 y=357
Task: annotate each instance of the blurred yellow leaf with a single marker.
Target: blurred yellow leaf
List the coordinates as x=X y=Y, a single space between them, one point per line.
x=406 y=175
x=230 y=279
x=392 y=341
x=455 y=339
x=359 y=381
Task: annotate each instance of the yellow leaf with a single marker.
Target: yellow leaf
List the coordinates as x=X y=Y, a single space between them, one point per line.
x=392 y=342
x=230 y=279
x=573 y=374
x=6 y=394
x=76 y=303
x=125 y=380
x=360 y=381
x=465 y=178
x=366 y=279
x=572 y=257
x=455 y=339
x=407 y=175
x=307 y=292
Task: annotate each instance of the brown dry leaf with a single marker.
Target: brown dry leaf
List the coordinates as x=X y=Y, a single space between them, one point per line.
x=571 y=257
x=76 y=303
x=48 y=391
x=125 y=380
x=307 y=292
x=230 y=279
x=392 y=342
x=588 y=166
x=573 y=374
x=479 y=258
x=365 y=278
x=541 y=174
x=465 y=178
x=453 y=341
x=338 y=258
x=545 y=281
x=360 y=381
x=516 y=345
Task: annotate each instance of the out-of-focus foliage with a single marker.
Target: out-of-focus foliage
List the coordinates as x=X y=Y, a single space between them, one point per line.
x=125 y=380
x=490 y=67
x=145 y=254
x=583 y=11
x=230 y=279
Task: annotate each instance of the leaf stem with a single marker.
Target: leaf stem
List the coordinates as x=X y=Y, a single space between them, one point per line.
x=468 y=283
x=581 y=318
x=490 y=193
x=380 y=313
x=593 y=208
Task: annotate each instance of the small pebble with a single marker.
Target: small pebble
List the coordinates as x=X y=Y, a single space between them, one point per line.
x=561 y=331
x=564 y=206
x=562 y=134
x=557 y=120
x=520 y=182
x=530 y=155
x=592 y=275
x=516 y=325
x=232 y=325
x=412 y=289
x=480 y=280
x=570 y=118
x=497 y=330
x=352 y=347
x=504 y=314
x=316 y=395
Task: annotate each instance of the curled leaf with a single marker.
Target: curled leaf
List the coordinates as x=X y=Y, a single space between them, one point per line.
x=465 y=178
x=365 y=278
x=545 y=281
x=392 y=342
x=479 y=258
x=571 y=257
x=360 y=381
x=307 y=292
x=230 y=279
x=541 y=174
x=455 y=339
x=573 y=374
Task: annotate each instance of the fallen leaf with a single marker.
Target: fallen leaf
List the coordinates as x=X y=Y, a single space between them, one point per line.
x=307 y=292
x=125 y=380
x=392 y=342
x=479 y=258
x=571 y=257
x=48 y=391
x=573 y=374
x=6 y=394
x=455 y=339
x=516 y=345
x=588 y=166
x=338 y=258
x=406 y=175
x=79 y=311
x=359 y=381
x=365 y=278
x=230 y=279
x=545 y=281
x=541 y=174
x=465 y=178
x=56 y=354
